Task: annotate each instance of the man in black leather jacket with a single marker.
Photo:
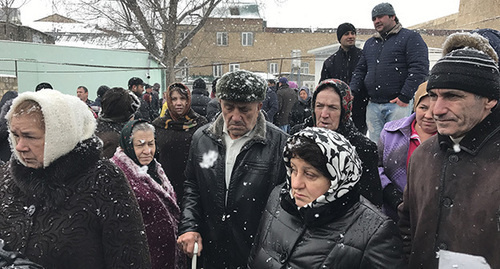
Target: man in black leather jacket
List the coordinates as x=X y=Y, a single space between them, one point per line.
x=233 y=165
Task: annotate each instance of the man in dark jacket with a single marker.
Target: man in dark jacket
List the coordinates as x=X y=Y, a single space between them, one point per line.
x=270 y=104
x=341 y=64
x=233 y=165
x=136 y=85
x=199 y=97
x=394 y=62
x=451 y=201
x=286 y=99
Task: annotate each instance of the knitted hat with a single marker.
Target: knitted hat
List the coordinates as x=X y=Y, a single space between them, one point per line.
x=241 y=86
x=342 y=90
x=119 y=105
x=283 y=80
x=67 y=119
x=383 y=9
x=344 y=28
x=199 y=84
x=419 y=94
x=470 y=68
x=293 y=85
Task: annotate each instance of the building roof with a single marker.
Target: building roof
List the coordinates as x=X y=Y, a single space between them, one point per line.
x=237 y=10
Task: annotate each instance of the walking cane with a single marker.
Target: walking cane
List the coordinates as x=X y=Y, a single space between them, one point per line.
x=195 y=255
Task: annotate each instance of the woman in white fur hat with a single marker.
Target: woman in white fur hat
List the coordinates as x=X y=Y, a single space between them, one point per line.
x=61 y=205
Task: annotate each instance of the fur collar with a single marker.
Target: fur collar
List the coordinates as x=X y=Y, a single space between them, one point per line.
x=217 y=127
x=393 y=31
x=49 y=186
x=131 y=169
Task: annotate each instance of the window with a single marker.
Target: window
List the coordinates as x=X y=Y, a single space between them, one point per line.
x=273 y=68
x=247 y=39
x=222 y=39
x=304 y=68
x=234 y=67
x=182 y=35
x=217 y=70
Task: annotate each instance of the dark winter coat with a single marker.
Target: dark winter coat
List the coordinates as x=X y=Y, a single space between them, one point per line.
x=341 y=65
x=270 y=104
x=391 y=66
x=159 y=211
x=144 y=111
x=199 y=101
x=452 y=199
x=347 y=233
x=213 y=109
x=286 y=99
x=172 y=146
x=79 y=212
x=228 y=228
x=109 y=132
x=300 y=112
x=369 y=184
x=5 y=150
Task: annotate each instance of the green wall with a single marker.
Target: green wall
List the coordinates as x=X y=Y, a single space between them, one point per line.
x=37 y=63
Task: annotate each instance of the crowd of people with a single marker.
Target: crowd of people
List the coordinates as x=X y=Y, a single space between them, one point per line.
x=382 y=165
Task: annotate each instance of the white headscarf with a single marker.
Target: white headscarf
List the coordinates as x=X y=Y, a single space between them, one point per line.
x=67 y=119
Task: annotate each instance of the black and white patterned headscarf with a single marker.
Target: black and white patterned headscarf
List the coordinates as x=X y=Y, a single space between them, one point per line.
x=343 y=163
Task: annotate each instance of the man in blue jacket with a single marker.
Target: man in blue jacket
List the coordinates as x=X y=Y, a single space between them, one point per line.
x=394 y=62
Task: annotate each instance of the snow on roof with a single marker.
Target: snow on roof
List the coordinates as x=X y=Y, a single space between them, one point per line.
x=237 y=10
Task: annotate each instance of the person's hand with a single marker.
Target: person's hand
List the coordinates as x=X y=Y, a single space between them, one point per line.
x=186 y=243
x=399 y=102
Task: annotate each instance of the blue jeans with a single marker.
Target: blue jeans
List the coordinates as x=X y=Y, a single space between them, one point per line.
x=285 y=128
x=377 y=115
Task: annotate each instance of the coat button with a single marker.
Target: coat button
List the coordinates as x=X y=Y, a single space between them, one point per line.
x=447 y=202
x=443 y=246
x=31 y=210
x=283 y=257
x=453 y=158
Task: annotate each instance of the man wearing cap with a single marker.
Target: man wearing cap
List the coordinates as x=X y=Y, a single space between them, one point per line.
x=233 y=165
x=393 y=63
x=136 y=85
x=341 y=64
x=452 y=198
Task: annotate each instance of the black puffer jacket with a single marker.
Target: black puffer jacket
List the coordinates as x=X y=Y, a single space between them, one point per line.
x=199 y=101
x=348 y=233
x=79 y=212
x=228 y=228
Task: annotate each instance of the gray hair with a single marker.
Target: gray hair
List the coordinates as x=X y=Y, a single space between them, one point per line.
x=143 y=126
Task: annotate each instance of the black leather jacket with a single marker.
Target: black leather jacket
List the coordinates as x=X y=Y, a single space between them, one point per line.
x=347 y=233
x=228 y=227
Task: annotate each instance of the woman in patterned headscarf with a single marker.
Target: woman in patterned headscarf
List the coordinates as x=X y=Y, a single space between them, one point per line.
x=317 y=219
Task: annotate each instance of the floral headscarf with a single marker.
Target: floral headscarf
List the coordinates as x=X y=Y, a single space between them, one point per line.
x=343 y=163
x=184 y=91
x=343 y=90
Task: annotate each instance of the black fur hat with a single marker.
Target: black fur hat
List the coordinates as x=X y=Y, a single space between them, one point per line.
x=241 y=86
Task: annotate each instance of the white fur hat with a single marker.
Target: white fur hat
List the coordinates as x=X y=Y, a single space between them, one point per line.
x=67 y=119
